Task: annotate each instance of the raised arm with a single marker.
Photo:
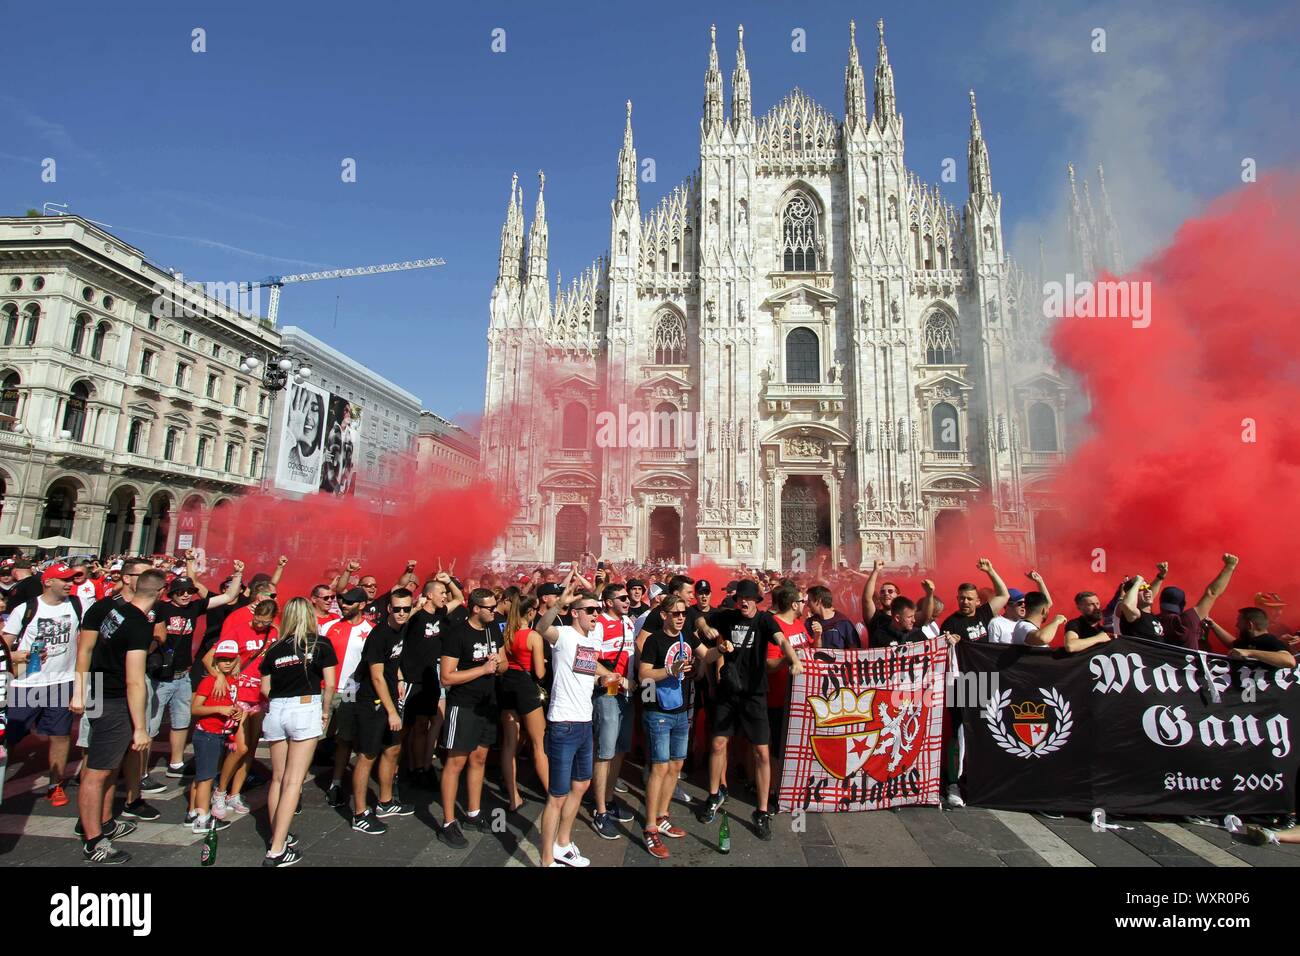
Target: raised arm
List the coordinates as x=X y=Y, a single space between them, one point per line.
x=1128 y=608
x=1000 y=593
x=1216 y=587
x=1045 y=634
x=546 y=623
x=926 y=610
x=869 y=592
x=279 y=570
x=1042 y=586
x=340 y=583
x=231 y=594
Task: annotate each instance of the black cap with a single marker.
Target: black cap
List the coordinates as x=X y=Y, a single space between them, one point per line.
x=180 y=585
x=748 y=590
x=703 y=587
x=549 y=589
x=354 y=596
x=731 y=587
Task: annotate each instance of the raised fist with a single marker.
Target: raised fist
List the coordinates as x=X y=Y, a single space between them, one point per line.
x=1230 y=560
x=284 y=559
x=984 y=564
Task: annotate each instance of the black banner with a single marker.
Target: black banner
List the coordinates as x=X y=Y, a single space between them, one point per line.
x=1129 y=726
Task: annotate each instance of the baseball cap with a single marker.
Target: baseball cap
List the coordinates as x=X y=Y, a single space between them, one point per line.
x=656 y=590
x=1172 y=599
x=731 y=587
x=180 y=585
x=59 y=571
x=226 y=649
x=550 y=588
x=703 y=587
x=748 y=591
x=354 y=596
x=1267 y=599
x=1017 y=595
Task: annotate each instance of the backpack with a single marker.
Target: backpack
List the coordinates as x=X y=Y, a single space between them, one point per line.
x=30 y=608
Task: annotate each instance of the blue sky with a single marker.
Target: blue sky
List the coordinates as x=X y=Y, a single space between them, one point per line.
x=226 y=164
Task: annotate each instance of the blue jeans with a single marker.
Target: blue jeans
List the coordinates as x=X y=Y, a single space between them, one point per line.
x=667 y=736
x=568 y=755
x=173 y=696
x=612 y=725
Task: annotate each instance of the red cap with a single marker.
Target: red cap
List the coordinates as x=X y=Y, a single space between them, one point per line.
x=59 y=571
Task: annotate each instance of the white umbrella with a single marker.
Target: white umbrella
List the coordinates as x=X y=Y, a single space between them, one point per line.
x=60 y=541
x=16 y=541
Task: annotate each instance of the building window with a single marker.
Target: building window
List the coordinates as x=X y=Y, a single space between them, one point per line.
x=10 y=324
x=97 y=343
x=670 y=339
x=575 y=426
x=201 y=456
x=216 y=350
x=182 y=375
x=79 y=329
x=147 y=359
x=212 y=386
x=239 y=395
x=942 y=344
x=799 y=234
x=133 y=436
x=261 y=404
x=256 y=463
x=153 y=323
x=185 y=338
x=33 y=323
x=170 y=444
x=74 y=415
x=802 y=356
x=9 y=398
x=1042 y=428
x=943 y=424
x=230 y=458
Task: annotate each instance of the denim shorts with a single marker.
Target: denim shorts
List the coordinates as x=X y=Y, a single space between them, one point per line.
x=612 y=723
x=292 y=718
x=209 y=748
x=173 y=696
x=667 y=736
x=568 y=755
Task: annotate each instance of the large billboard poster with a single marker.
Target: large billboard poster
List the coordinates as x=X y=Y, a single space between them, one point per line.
x=302 y=439
x=338 y=474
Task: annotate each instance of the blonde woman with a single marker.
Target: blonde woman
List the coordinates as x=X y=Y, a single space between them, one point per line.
x=294 y=671
x=521 y=696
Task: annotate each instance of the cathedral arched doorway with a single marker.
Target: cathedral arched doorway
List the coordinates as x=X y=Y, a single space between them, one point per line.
x=805 y=519
x=665 y=534
x=951 y=534
x=570 y=533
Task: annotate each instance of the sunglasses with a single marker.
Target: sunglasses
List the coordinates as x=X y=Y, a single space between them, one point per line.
x=400 y=610
x=589 y=609
x=486 y=607
x=676 y=613
x=622 y=597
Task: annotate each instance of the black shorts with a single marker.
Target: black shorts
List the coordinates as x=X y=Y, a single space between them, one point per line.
x=746 y=712
x=373 y=734
x=468 y=728
x=110 y=736
x=776 y=721
x=519 y=692
x=345 y=722
x=421 y=702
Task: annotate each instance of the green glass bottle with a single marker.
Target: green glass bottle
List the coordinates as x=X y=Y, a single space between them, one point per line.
x=724 y=835
x=209 y=854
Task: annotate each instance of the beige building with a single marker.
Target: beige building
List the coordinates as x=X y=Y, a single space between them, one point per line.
x=124 y=418
x=445 y=452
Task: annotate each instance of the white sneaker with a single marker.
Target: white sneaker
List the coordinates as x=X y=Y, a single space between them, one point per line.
x=569 y=855
x=200 y=824
x=954 y=796
x=236 y=804
x=219 y=804
x=680 y=795
x=620 y=786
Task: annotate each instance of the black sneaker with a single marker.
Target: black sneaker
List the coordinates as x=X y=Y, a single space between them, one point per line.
x=149 y=785
x=112 y=829
x=618 y=811
x=334 y=796
x=289 y=857
x=139 y=810
x=763 y=824
x=368 y=823
x=452 y=837
x=176 y=770
x=709 y=812
x=394 y=809
x=190 y=817
x=603 y=824
x=478 y=822
x=290 y=840
x=103 y=852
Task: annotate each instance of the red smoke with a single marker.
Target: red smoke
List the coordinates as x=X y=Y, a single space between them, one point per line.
x=1192 y=444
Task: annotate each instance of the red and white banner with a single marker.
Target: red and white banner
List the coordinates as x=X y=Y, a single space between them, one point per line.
x=865 y=729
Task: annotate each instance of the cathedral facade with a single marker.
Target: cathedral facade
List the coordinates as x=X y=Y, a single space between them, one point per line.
x=835 y=358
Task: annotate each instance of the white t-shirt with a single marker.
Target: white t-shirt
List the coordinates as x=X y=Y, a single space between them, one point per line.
x=86 y=592
x=346 y=685
x=573 y=663
x=1003 y=630
x=58 y=625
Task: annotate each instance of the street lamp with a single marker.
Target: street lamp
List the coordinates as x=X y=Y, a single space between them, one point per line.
x=276 y=373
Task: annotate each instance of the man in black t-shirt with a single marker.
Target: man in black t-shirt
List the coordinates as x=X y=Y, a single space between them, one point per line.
x=743 y=635
x=114 y=654
x=421 y=658
x=1136 y=619
x=636 y=596
x=970 y=622
x=1086 y=630
x=1253 y=642
x=471 y=662
x=381 y=693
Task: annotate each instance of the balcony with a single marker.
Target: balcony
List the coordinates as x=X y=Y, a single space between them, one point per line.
x=944 y=459
x=1041 y=459
x=784 y=396
x=669 y=456
x=14 y=440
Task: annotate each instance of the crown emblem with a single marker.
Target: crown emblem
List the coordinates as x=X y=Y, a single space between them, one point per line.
x=1029 y=710
x=843 y=708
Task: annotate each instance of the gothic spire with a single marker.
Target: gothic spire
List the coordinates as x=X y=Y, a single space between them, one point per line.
x=512 y=235
x=626 y=191
x=886 y=105
x=979 y=178
x=741 y=99
x=1114 y=250
x=1077 y=227
x=855 y=97
x=537 y=234
x=713 y=86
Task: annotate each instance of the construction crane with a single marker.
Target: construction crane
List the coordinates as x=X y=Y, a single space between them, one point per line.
x=276 y=283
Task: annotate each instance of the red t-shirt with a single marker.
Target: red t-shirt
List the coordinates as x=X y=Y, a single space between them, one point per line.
x=213 y=724
x=250 y=642
x=778 y=681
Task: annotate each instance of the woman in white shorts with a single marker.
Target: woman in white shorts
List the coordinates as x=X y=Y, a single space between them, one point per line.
x=295 y=669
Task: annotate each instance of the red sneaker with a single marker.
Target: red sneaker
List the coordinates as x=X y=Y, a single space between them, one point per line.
x=56 y=796
x=655 y=845
x=667 y=829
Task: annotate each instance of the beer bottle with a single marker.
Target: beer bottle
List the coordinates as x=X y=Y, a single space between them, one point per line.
x=724 y=835
x=209 y=854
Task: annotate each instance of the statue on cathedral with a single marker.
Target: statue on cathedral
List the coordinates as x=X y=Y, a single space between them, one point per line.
x=859 y=514
x=711 y=310
x=871 y=496
x=740 y=311
x=708 y=492
x=742 y=436
x=905 y=494
x=742 y=493
x=894 y=311
x=712 y=437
